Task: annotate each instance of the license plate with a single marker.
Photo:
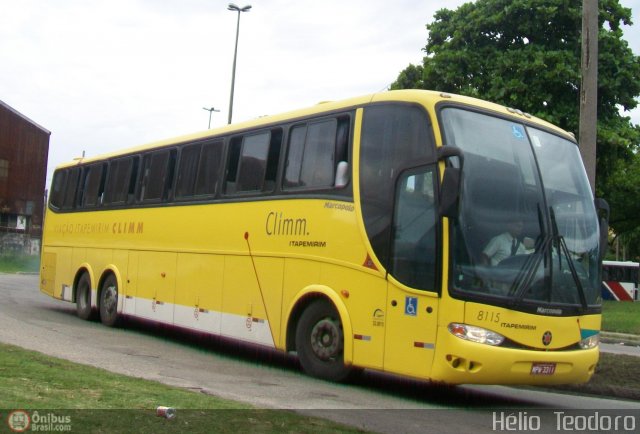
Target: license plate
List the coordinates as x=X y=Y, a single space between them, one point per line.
x=543 y=368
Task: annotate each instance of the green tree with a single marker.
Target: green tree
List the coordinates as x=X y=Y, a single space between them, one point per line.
x=623 y=186
x=526 y=54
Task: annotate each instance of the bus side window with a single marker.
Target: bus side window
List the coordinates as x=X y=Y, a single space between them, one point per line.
x=393 y=136
x=414 y=255
x=311 y=159
x=187 y=170
x=82 y=184
x=132 y=180
x=169 y=176
x=71 y=188
x=198 y=170
x=273 y=160
x=209 y=169
x=93 y=185
x=297 y=136
x=120 y=179
x=253 y=162
x=233 y=161
x=157 y=173
x=57 y=188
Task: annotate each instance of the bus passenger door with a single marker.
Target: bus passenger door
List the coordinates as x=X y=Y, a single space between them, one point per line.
x=412 y=299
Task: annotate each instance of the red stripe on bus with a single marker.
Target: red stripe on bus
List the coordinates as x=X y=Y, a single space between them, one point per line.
x=617 y=290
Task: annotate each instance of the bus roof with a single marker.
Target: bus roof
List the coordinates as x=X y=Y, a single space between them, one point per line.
x=621 y=263
x=425 y=97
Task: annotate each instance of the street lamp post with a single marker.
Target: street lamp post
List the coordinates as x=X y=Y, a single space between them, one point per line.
x=210 y=110
x=235 y=8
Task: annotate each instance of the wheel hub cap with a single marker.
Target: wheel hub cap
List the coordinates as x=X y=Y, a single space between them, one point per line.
x=325 y=339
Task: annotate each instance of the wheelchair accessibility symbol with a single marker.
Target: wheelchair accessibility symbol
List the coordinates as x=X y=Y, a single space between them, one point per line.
x=517 y=131
x=410 y=306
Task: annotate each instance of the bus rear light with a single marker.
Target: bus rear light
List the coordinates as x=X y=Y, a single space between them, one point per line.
x=475 y=334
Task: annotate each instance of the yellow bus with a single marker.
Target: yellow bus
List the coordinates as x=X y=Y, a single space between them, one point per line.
x=358 y=234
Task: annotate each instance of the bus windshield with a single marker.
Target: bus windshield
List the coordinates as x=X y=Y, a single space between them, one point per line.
x=527 y=233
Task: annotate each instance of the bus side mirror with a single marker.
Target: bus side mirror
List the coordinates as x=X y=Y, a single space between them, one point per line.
x=603 y=211
x=451 y=182
x=450 y=193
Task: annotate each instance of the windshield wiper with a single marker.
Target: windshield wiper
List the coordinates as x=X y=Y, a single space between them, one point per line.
x=523 y=280
x=562 y=248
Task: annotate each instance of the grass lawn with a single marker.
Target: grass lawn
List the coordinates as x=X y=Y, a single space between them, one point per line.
x=19 y=263
x=97 y=401
x=116 y=403
x=621 y=317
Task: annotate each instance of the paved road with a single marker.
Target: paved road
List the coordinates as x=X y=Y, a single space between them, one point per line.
x=621 y=348
x=265 y=379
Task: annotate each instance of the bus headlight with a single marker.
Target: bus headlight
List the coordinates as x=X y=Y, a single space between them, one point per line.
x=475 y=334
x=590 y=342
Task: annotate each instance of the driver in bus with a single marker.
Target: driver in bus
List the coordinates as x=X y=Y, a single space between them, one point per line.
x=506 y=244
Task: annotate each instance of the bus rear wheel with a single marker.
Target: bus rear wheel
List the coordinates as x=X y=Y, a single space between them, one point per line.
x=320 y=342
x=83 y=298
x=109 y=302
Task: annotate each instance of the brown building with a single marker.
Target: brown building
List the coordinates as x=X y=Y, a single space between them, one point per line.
x=24 y=148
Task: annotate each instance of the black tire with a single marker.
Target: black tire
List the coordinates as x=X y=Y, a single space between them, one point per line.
x=83 y=298
x=109 y=302
x=320 y=342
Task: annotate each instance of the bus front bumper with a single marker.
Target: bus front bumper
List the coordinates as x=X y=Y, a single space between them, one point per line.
x=457 y=361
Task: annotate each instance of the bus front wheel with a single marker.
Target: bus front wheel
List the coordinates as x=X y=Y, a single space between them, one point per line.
x=320 y=342
x=83 y=298
x=109 y=302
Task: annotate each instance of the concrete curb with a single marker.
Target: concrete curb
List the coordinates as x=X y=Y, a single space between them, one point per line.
x=620 y=338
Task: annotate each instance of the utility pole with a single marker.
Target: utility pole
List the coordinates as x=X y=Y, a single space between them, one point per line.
x=239 y=10
x=589 y=89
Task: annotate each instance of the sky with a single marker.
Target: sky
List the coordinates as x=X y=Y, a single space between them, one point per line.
x=107 y=75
